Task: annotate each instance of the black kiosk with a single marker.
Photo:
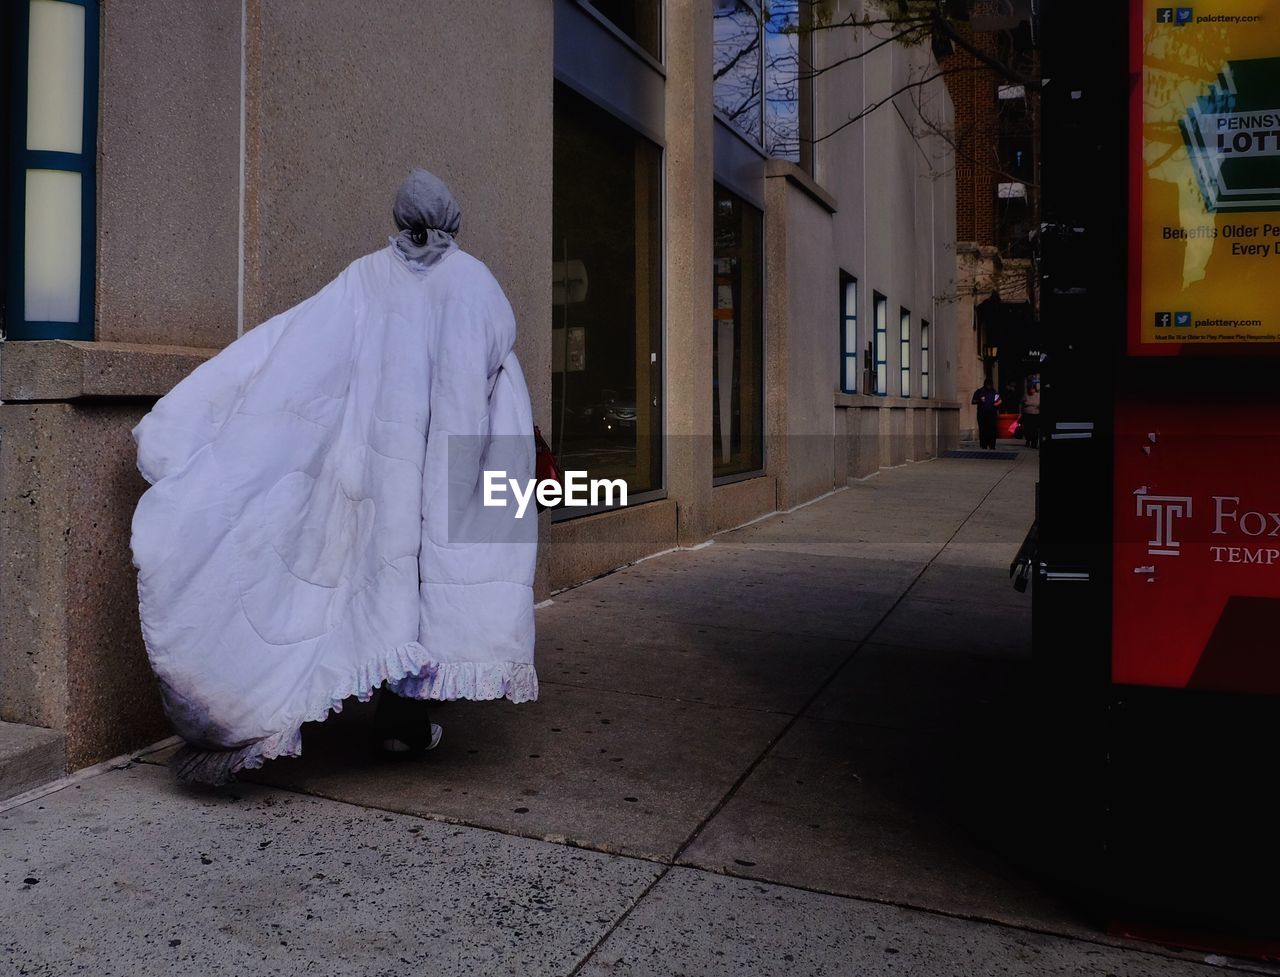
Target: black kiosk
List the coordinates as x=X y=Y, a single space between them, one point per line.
x=1157 y=574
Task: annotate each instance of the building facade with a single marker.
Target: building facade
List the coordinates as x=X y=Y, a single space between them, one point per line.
x=735 y=284
x=993 y=76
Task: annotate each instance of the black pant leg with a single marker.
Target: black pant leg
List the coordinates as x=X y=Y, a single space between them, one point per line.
x=1032 y=424
x=986 y=430
x=404 y=719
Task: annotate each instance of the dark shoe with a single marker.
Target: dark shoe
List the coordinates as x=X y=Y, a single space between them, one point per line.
x=404 y=726
x=399 y=746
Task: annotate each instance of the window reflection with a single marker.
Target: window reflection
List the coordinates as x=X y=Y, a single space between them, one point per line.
x=640 y=20
x=786 y=59
x=737 y=338
x=738 y=65
x=606 y=289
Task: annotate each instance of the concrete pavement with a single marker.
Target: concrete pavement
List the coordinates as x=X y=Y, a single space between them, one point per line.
x=783 y=753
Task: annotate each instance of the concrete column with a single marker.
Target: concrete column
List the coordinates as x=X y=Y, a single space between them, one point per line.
x=689 y=266
x=968 y=358
x=71 y=651
x=840 y=457
x=777 y=332
x=71 y=654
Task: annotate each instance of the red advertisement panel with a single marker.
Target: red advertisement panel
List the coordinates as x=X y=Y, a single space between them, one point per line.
x=1197 y=547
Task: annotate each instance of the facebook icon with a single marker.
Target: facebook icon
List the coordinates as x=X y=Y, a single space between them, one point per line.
x=1184 y=15
x=1164 y=15
x=1163 y=320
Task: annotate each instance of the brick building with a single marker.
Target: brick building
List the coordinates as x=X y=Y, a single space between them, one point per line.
x=996 y=142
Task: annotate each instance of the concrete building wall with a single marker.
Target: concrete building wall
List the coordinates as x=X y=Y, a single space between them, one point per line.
x=344 y=98
x=813 y=365
x=890 y=177
x=689 y=255
x=203 y=234
x=893 y=230
x=169 y=172
x=71 y=653
x=802 y=358
x=339 y=100
x=950 y=336
x=969 y=265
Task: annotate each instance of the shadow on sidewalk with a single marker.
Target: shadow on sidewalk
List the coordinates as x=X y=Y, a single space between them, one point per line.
x=837 y=699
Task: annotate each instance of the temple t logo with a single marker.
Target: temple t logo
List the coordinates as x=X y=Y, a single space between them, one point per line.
x=1164 y=510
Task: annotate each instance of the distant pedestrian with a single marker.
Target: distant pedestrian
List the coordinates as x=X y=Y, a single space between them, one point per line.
x=988 y=402
x=1031 y=415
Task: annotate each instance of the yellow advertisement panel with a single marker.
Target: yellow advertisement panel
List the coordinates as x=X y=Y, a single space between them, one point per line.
x=1205 y=176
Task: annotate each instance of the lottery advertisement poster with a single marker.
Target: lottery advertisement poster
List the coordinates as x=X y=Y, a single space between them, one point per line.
x=1204 y=178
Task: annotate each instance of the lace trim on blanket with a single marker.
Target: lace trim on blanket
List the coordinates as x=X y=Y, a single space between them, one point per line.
x=410 y=672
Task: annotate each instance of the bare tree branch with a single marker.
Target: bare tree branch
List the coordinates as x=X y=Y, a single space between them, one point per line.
x=959 y=146
x=918 y=83
x=943 y=25
x=733 y=62
x=815 y=72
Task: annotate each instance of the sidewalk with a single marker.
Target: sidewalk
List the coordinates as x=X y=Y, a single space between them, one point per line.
x=784 y=753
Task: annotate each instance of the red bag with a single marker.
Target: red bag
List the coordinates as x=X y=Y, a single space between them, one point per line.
x=546 y=466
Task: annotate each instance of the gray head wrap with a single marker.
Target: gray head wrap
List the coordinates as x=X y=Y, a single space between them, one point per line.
x=428 y=218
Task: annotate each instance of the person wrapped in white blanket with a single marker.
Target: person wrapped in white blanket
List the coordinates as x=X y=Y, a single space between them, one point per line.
x=314 y=527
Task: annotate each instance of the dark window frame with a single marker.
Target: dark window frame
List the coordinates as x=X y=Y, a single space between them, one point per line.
x=742 y=474
x=583 y=35
x=880 y=348
x=848 y=317
x=904 y=352
x=658 y=60
x=925 y=391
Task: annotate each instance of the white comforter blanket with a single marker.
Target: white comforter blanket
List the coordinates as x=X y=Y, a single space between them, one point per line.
x=314 y=523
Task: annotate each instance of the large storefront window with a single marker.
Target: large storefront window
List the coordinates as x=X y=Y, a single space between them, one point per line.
x=737 y=338
x=607 y=291
x=640 y=20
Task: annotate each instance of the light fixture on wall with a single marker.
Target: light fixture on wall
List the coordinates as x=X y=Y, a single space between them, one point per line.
x=52 y=184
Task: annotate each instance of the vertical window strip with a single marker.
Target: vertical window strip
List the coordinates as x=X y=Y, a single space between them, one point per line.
x=924 y=358
x=905 y=362
x=849 y=334
x=882 y=344
x=52 y=138
x=737 y=349
x=738 y=65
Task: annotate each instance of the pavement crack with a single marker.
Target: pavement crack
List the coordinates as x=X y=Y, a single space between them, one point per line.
x=835 y=672
x=626 y=914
